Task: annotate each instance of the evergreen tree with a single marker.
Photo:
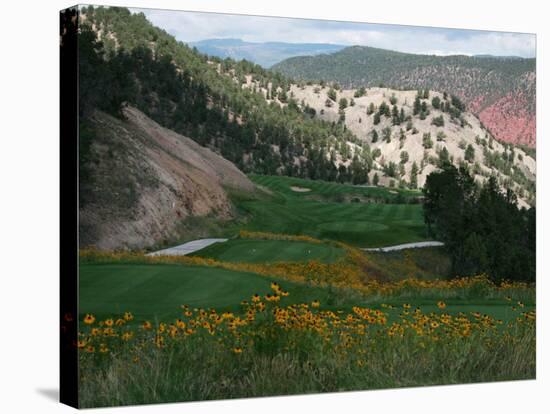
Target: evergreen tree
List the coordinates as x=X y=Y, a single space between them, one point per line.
x=414 y=176
x=484 y=231
x=417 y=106
x=444 y=157
x=360 y=92
x=343 y=103
x=469 y=154
x=386 y=132
x=370 y=109
x=438 y=121
x=374 y=136
x=427 y=140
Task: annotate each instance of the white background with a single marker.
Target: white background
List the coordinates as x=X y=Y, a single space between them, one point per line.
x=29 y=206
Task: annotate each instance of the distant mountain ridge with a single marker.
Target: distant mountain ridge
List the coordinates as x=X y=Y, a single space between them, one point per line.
x=265 y=54
x=500 y=91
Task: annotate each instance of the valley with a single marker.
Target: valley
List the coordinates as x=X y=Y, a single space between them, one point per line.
x=291 y=185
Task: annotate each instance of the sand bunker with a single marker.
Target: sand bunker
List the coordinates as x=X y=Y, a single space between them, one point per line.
x=300 y=189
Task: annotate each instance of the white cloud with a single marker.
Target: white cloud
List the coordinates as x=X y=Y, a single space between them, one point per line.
x=192 y=26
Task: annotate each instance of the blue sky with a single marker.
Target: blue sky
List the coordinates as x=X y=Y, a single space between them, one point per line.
x=192 y=26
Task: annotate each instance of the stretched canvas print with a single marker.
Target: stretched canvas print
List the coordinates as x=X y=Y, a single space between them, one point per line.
x=259 y=206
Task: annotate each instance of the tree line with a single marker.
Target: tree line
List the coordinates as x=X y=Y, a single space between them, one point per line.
x=482 y=227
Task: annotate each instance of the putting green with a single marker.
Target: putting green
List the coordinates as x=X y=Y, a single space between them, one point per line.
x=269 y=251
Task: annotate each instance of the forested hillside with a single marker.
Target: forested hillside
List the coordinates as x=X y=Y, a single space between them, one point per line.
x=126 y=59
x=501 y=91
x=266 y=123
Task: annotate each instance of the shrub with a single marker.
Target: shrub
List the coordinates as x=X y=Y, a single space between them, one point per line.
x=427 y=140
x=469 y=154
x=360 y=92
x=343 y=103
x=438 y=121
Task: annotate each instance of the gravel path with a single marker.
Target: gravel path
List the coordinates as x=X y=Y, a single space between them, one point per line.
x=432 y=243
x=187 y=248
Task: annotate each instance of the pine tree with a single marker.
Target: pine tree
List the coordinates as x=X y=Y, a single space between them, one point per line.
x=387 y=134
x=370 y=109
x=360 y=92
x=414 y=176
x=469 y=154
x=343 y=103
x=374 y=136
x=417 y=106
x=427 y=140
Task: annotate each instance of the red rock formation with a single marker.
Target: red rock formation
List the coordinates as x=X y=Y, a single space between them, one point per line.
x=507 y=118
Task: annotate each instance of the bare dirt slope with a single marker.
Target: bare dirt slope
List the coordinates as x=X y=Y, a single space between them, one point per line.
x=139 y=181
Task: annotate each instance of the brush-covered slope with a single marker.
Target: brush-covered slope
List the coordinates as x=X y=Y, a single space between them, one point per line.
x=140 y=180
x=410 y=134
x=500 y=91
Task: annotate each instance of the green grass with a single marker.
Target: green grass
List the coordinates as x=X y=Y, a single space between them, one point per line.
x=268 y=251
x=157 y=291
x=357 y=215
x=278 y=362
x=330 y=189
x=317 y=214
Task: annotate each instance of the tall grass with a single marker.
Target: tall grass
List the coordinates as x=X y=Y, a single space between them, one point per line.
x=271 y=349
